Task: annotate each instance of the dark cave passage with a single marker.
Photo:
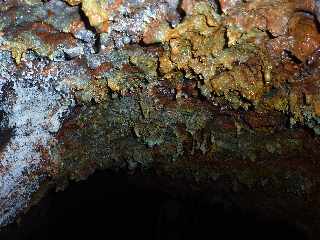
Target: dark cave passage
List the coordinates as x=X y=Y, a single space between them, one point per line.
x=109 y=206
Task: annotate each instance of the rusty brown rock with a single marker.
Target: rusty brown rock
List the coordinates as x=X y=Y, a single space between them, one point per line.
x=304 y=34
x=271 y=15
x=197 y=92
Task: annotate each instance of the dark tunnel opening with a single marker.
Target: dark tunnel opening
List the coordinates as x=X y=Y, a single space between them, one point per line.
x=110 y=206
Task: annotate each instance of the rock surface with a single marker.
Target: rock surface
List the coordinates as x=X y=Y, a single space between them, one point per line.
x=196 y=90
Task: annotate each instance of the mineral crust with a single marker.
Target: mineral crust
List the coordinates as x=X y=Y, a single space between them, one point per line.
x=200 y=90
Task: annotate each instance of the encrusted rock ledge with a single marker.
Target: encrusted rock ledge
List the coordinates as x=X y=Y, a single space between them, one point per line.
x=194 y=90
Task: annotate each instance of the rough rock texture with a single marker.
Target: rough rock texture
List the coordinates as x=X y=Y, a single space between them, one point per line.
x=198 y=90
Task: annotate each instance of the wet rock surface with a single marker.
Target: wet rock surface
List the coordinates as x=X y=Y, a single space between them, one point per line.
x=194 y=90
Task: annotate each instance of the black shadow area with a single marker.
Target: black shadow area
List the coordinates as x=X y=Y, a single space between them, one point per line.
x=109 y=206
